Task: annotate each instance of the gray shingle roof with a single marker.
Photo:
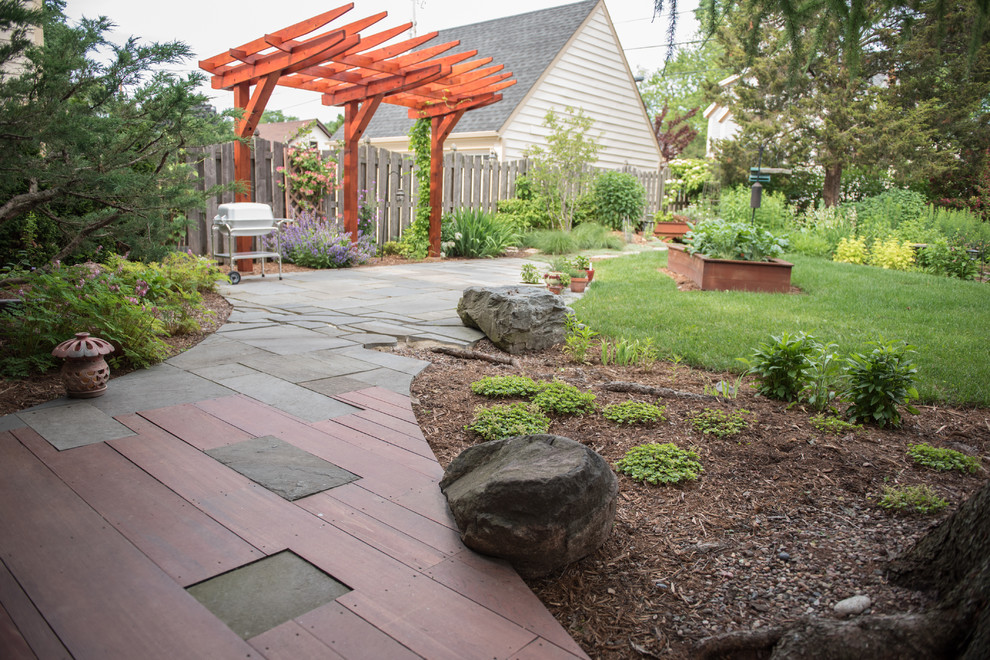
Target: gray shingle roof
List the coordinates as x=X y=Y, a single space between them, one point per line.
x=526 y=44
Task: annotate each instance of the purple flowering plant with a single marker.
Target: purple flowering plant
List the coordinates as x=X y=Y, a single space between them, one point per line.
x=315 y=242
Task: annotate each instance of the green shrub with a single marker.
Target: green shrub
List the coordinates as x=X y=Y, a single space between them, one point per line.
x=941 y=258
x=833 y=425
x=913 y=499
x=563 y=399
x=712 y=421
x=892 y=254
x=505 y=386
x=578 y=339
x=552 y=242
x=820 y=386
x=878 y=216
x=524 y=213
x=851 y=251
x=878 y=382
x=476 y=234
x=660 y=464
x=804 y=241
x=618 y=196
x=529 y=274
x=774 y=213
x=131 y=305
x=634 y=412
x=506 y=421
x=593 y=236
x=723 y=240
x=782 y=364
x=942 y=458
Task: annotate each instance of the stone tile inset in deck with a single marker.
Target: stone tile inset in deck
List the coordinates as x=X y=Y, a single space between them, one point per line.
x=282 y=468
x=264 y=594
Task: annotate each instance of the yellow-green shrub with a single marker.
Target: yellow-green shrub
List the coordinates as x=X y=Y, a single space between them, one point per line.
x=851 y=251
x=892 y=254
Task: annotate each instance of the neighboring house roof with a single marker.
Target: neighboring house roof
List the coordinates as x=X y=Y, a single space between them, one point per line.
x=526 y=44
x=286 y=130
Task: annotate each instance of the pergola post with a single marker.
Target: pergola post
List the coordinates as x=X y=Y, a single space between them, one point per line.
x=441 y=128
x=356 y=118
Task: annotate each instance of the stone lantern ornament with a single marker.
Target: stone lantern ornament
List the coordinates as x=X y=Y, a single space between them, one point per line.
x=85 y=373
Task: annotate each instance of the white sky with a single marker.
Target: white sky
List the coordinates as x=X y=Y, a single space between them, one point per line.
x=210 y=27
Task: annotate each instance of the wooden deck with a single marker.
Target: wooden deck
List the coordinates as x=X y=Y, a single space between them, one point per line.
x=98 y=544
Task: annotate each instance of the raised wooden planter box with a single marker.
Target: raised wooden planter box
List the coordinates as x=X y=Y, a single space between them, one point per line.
x=730 y=274
x=668 y=230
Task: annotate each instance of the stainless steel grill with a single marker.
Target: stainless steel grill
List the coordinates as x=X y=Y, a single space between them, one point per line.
x=246 y=219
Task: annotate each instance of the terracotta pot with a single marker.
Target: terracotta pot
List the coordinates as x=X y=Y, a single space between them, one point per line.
x=85 y=373
x=557 y=288
x=668 y=230
x=578 y=284
x=590 y=272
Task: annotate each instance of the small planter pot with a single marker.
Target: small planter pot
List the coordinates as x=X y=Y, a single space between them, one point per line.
x=590 y=273
x=670 y=230
x=730 y=274
x=556 y=287
x=579 y=284
x=85 y=373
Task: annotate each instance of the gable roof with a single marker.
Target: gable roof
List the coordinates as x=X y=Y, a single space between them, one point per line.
x=525 y=43
x=286 y=130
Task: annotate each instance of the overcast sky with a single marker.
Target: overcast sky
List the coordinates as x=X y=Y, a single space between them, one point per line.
x=210 y=27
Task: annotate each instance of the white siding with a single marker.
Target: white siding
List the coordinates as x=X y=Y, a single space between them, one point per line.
x=591 y=73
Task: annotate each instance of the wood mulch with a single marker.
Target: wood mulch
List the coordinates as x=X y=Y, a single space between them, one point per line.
x=783 y=523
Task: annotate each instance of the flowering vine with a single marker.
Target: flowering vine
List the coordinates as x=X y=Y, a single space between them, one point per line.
x=309 y=176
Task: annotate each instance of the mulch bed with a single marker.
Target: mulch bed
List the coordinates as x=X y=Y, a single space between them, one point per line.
x=782 y=524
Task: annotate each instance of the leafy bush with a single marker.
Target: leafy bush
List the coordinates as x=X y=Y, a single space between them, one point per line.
x=660 y=464
x=942 y=458
x=712 y=421
x=833 y=425
x=917 y=499
x=593 y=236
x=524 y=213
x=851 y=251
x=806 y=242
x=618 y=196
x=941 y=258
x=506 y=421
x=687 y=177
x=476 y=234
x=821 y=376
x=722 y=240
x=578 y=339
x=892 y=254
x=131 y=305
x=529 y=274
x=879 y=215
x=563 y=399
x=634 y=412
x=505 y=386
x=774 y=214
x=879 y=382
x=314 y=242
x=781 y=365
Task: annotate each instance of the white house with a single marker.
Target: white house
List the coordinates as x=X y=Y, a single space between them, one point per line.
x=720 y=123
x=305 y=132
x=566 y=56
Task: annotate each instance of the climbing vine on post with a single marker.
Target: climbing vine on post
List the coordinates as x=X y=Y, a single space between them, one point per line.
x=416 y=239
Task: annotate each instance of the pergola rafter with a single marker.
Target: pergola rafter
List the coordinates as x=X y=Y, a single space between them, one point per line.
x=359 y=72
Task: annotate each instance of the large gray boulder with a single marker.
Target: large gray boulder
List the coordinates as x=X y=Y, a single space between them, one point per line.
x=516 y=318
x=538 y=501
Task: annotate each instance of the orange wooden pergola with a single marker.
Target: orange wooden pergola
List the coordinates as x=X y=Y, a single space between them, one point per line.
x=360 y=73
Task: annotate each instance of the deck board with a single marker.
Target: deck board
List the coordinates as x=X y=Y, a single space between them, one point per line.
x=359 y=422
x=184 y=542
x=290 y=641
x=109 y=600
x=350 y=636
x=195 y=426
x=30 y=624
x=362 y=399
x=370 y=439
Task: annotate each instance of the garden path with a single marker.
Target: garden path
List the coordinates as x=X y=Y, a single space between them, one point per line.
x=284 y=443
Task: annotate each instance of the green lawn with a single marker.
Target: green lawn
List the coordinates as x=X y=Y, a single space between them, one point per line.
x=947 y=320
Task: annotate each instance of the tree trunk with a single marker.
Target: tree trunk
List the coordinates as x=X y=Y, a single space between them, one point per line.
x=833 y=184
x=953 y=558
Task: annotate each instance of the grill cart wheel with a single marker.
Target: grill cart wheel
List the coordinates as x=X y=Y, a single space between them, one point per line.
x=235 y=277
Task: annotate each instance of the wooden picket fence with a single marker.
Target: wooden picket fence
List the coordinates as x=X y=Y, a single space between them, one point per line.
x=385 y=184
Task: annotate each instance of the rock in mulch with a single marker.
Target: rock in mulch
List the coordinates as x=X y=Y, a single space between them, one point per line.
x=517 y=319
x=538 y=501
x=851 y=606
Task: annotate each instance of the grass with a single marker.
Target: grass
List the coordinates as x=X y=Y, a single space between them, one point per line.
x=945 y=319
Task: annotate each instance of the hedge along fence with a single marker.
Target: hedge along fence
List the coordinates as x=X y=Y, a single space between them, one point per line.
x=475 y=182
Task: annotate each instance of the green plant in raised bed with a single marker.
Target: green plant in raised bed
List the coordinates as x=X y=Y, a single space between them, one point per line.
x=634 y=412
x=563 y=399
x=918 y=499
x=505 y=421
x=833 y=425
x=660 y=464
x=942 y=458
x=505 y=386
x=712 y=421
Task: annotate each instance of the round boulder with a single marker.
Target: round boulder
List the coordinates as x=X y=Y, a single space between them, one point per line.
x=516 y=319
x=538 y=501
